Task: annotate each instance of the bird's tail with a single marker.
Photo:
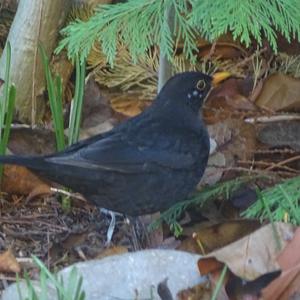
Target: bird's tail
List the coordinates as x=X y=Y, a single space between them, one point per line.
x=32 y=162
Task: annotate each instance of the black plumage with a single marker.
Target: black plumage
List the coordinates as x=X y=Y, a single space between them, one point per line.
x=145 y=164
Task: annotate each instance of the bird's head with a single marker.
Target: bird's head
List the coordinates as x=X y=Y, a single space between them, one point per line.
x=187 y=91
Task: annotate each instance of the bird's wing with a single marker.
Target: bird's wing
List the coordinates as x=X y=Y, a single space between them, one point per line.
x=116 y=154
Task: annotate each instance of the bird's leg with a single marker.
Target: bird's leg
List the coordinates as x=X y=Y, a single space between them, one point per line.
x=112 y=224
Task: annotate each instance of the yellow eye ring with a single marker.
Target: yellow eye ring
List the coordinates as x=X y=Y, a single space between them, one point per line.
x=201 y=85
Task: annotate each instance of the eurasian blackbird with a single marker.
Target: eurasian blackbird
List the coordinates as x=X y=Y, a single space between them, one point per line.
x=144 y=165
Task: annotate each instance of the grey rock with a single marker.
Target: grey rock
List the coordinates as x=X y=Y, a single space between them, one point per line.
x=131 y=275
x=281 y=134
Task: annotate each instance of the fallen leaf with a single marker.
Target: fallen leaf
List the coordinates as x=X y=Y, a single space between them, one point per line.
x=62 y=66
x=280 y=92
x=214 y=279
x=215 y=236
x=235 y=139
x=30 y=141
x=8 y=263
x=238 y=288
x=19 y=180
x=214 y=170
x=288 y=284
x=39 y=190
x=228 y=99
x=155 y=237
x=255 y=254
x=209 y=265
x=129 y=105
x=200 y=291
x=73 y=240
x=226 y=47
x=224 y=50
x=114 y=250
x=97 y=108
x=233 y=286
x=291 y=47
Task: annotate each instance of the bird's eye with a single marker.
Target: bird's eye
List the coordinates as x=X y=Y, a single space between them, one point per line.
x=201 y=85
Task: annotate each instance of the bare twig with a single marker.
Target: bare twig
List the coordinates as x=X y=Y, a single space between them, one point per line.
x=275 y=118
x=66 y=193
x=282 y=163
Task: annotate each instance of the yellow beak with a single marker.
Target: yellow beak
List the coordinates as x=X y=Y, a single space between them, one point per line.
x=219 y=77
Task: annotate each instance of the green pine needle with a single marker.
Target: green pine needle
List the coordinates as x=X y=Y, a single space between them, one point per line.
x=141 y=24
x=278 y=203
x=171 y=215
x=136 y=24
x=247 y=19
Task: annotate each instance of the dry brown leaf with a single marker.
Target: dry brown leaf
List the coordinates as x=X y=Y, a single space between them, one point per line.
x=19 y=180
x=235 y=138
x=200 y=291
x=226 y=47
x=280 y=92
x=31 y=141
x=216 y=236
x=97 y=108
x=222 y=50
x=129 y=106
x=209 y=265
x=212 y=268
x=114 y=250
x=230 y=97
x=214 y=170
x=291 y=47
x=233 y=286
x=62 y=66
x=288 y=284
x=74 y=240
x=255 y=254
x=8 y=263
x=97 y=114
x=155 y=237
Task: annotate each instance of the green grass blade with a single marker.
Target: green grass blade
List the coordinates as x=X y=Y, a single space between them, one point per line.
x=59 y=112
x=7 y=107
x=4 y=100
x=51 y=277
x=73 y=106
x=8 y=121
x=79 y=100
x=219 y=284
x=76 y=111
x=8 y=118
x=55 y=94
x=274 y=230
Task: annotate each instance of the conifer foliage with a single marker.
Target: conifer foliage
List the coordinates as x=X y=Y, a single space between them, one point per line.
x=141 y=24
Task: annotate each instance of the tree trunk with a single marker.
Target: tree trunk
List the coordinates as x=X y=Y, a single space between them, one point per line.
x=35 y=20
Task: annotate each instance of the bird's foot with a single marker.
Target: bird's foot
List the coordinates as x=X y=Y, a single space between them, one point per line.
x=112 y=224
